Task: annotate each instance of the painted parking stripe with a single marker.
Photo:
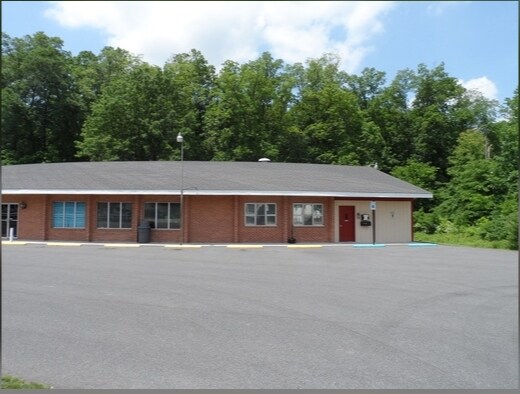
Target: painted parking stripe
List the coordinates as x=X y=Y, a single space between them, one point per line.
x=13 y=243
x=369 y=246
x=121 y=245
x=63 y=244
x=244 y=246
x=183 y=246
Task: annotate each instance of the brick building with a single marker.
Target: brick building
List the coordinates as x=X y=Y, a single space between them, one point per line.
x=221 y=202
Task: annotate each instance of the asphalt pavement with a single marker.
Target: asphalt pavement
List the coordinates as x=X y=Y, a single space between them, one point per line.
x=97 y=317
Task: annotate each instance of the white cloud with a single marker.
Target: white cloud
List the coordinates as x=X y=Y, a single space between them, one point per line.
x=482 y=85
x=228 y=30
x=439 y=7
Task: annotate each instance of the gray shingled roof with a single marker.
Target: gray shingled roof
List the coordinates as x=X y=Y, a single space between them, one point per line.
x=204 y=178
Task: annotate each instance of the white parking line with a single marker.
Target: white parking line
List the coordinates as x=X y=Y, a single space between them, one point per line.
x=63 y=244
x=238 y=246
x=121 y=245
x=183 y=246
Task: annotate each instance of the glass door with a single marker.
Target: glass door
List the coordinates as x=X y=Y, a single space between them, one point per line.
x=9 y=220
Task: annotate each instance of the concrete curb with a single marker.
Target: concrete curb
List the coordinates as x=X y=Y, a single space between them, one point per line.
x=199 y=246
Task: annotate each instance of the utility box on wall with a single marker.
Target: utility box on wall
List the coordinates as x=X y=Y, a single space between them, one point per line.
x=365 y=220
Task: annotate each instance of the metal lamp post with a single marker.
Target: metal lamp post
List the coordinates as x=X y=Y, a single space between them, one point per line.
x=180 y=140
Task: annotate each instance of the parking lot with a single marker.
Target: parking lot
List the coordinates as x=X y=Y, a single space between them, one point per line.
x=397 y=317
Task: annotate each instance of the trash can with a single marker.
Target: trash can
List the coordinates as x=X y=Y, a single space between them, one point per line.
x=143 y=232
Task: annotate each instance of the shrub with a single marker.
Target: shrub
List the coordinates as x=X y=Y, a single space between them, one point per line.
x=11 y=382
x=425 y=222
x=446 y=226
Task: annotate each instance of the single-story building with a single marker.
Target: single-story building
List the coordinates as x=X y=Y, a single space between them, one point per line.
x=206 y=202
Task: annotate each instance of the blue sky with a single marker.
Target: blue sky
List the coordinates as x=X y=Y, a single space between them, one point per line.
x=476 y=40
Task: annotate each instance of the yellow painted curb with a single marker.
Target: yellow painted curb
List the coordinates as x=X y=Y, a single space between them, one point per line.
x=244 y=246
x=13 y=243
x=304 y=246
x=62 y=244
x=121 y=245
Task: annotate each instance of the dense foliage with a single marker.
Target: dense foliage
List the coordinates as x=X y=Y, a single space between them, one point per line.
x=423 y=126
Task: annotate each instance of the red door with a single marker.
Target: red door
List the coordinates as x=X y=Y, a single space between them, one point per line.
x=347 y=224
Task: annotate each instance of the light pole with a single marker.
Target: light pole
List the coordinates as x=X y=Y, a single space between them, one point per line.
x=180 y=140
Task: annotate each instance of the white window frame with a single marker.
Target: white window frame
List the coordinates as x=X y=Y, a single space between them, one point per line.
x=256 y=216
x=302 y=224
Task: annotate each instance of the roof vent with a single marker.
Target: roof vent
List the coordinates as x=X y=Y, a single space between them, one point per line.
x=264 y=159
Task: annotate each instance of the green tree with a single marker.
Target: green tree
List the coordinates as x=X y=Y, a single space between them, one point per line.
x=502 y=224
x=436 y=119
x=129 y=121
x=389 y=110
x=475 y=188
x=190 y=82
x=327 y=115
x=41 y=106
x=422 y=175
x=503 y=221
x=419 y=174
x=366 y=86
x=93 y=72
x=247 y=115
x=505 y=141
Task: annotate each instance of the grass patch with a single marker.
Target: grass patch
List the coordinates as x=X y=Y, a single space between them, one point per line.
x=460 y=239
x=11 y=382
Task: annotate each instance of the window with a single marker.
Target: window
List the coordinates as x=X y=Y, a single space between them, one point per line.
x=163 y=214
x=114 y=215
x=68 y=214
x=308 y=214
x=260 y=214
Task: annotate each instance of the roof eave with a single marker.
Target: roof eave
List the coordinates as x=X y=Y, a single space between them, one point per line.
x=297 y=193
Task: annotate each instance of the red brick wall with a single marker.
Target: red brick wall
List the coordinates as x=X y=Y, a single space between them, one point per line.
x=35 y=221
x=113 y=234
x=31 y=220
x=254 y=234
x=284 y=228
x=323 y=233
x=64 y=234
x=162 y=235
x=207 y=219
